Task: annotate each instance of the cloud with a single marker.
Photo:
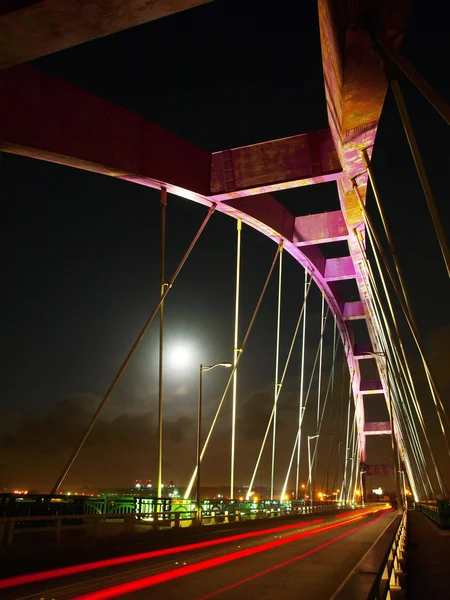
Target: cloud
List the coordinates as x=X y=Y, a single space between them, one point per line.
x=123 y=443
x=182 y=390
x=34 y=449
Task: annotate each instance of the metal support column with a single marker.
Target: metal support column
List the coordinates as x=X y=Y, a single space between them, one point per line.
x=319 y=387
x=301 y=408
x=235 y=356
x=161 y=338
x=277 y=383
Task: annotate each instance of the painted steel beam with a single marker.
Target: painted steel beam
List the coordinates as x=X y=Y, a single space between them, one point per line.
x=33 y=28
x=377 y=428
x=267 y=209
x=363 y=351
x=371 y=386
x=340 y=268
x=355 y=88
x=320 y=228
x=276 y=165
x=46 y=118
x=354 y=310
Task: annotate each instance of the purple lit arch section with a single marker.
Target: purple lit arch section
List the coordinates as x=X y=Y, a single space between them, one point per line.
x=48 y=119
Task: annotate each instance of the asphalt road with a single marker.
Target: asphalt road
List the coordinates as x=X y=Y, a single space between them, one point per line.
x=282 y=561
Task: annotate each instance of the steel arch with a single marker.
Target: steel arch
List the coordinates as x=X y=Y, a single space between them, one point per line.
x=45 y=118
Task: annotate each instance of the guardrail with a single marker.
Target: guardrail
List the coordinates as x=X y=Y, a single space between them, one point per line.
x=379 y=574
x=98 y=525
x=437 y=510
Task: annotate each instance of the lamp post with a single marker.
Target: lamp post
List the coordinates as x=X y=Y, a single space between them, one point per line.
x=361 y=473
x=391 y=420
x=310 y=437
x=199 y=423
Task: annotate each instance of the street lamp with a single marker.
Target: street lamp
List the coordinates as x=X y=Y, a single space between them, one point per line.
x=310 y=437
x=361 y=486
x=391 y=420
x=199 y=422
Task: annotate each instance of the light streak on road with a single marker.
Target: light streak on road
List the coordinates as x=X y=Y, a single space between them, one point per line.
x=152 y=580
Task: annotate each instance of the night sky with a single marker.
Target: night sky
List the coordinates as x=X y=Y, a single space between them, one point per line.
x=81 y=254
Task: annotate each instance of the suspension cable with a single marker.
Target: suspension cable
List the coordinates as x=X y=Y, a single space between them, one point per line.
x=341 y=424
x=390 y=341
x=241 y=352
x=302 y=378
x=276 y=382
x=353 y=442
x=347 y=435
x=235 y=355
x=319 y=386
x=435 y=392
x=131 y=352
x=298 y=436
x=327 y=481
x=427 y=91
x=294 y=337
x=163 y=202
x=327 y=393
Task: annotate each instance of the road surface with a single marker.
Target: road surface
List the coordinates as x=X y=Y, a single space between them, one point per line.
x=282 y=561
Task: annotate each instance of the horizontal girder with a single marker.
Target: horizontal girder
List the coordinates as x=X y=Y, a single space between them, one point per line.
x=377 y=428
x=339 y=268
x=33 y=28
x=371 y=386
x=320 y=228
x=44 y=117
x=276 y=165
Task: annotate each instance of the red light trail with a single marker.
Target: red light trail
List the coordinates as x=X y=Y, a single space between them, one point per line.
x=152 y=580
x=286 y=562
x=123 y=560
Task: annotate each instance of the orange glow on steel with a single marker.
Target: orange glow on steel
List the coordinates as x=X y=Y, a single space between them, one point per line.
x=122 y=560
x=151 y=580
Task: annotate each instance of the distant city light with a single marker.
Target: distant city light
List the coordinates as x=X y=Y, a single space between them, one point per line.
x=378 y=491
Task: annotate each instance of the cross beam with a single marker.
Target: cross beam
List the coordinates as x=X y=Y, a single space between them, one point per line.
x=33 y=28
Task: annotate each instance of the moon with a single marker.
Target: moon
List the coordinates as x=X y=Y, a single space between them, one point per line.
x=180 y=357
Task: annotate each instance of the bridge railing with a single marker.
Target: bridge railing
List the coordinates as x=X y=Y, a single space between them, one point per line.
x=98 y=525
x=379 y=574
x=437 y=510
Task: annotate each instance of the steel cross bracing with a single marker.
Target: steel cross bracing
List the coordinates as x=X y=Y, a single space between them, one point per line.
x=46 y=118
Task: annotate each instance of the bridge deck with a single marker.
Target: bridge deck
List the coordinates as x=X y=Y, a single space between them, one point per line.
x=428 y=558
x=312 y=556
